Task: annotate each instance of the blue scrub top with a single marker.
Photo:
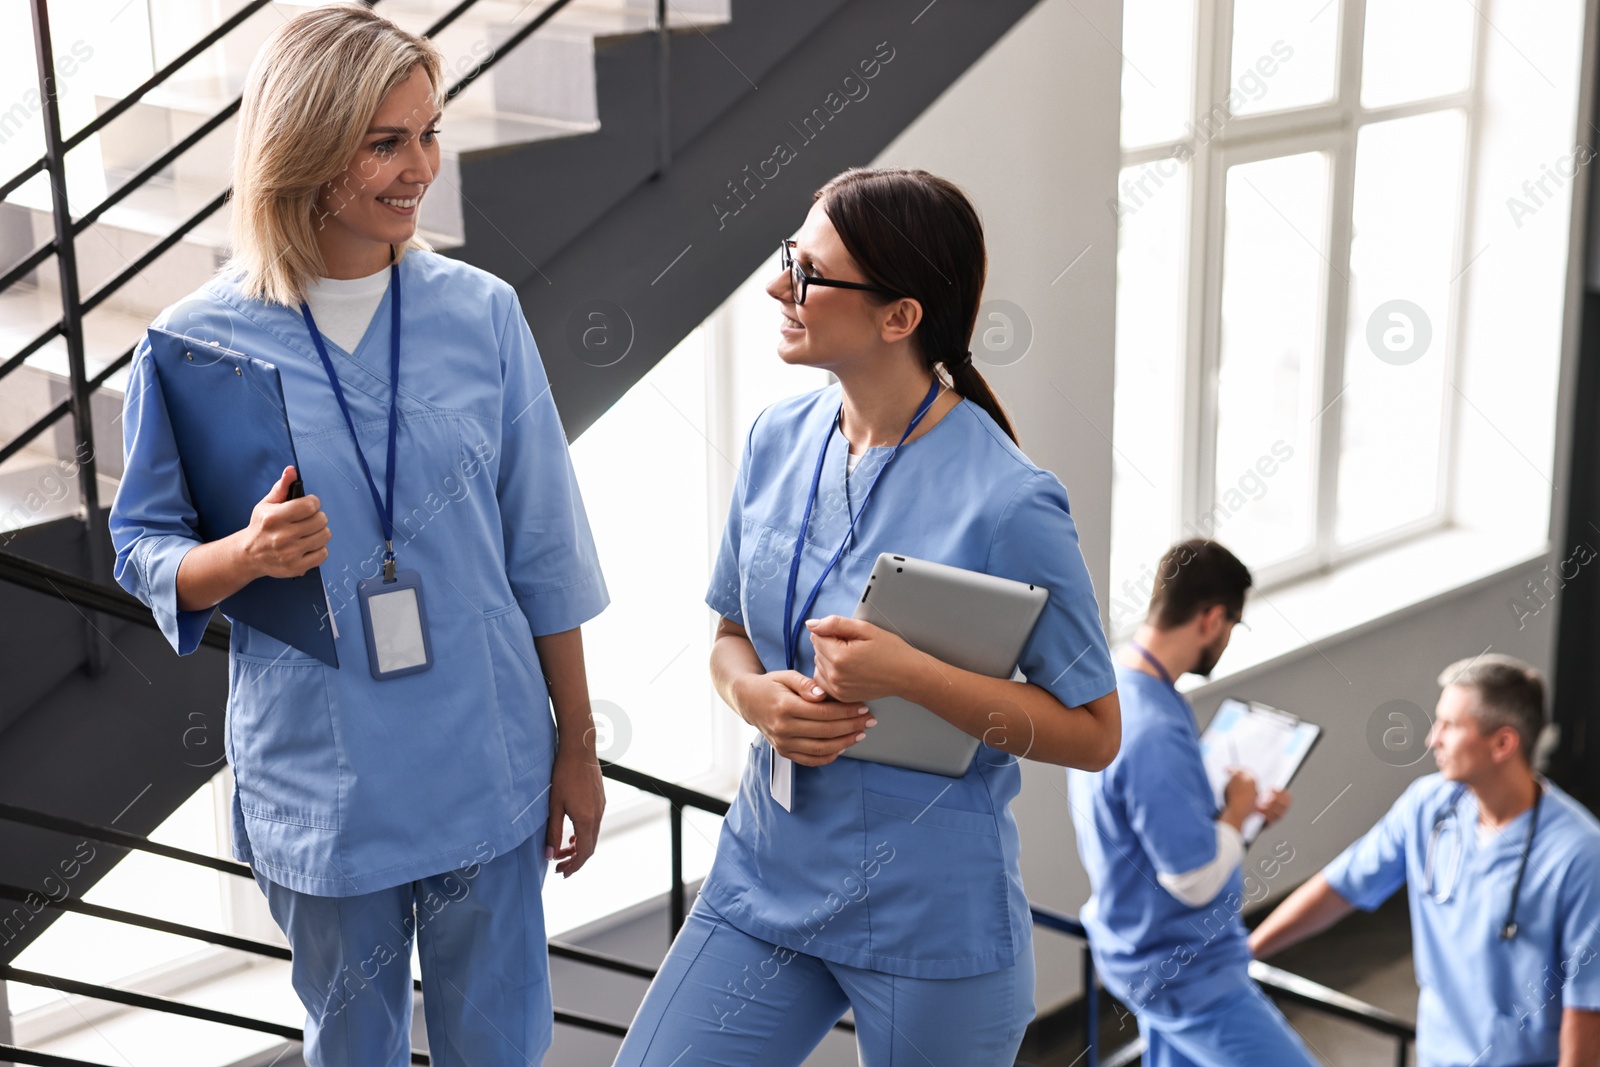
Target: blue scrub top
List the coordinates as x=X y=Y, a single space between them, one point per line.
x=1485 y=1001
x=347 y=785
x=1152 y=812
x=900 y=871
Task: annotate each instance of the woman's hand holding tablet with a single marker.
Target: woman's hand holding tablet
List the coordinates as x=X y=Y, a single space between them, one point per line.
x=858 y=661
x=792 y=711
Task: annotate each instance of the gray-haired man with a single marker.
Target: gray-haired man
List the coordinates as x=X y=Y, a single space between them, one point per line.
x=1504 y=876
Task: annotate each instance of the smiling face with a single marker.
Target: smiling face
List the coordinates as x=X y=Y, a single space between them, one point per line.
x=374 y=202
x=836 y=327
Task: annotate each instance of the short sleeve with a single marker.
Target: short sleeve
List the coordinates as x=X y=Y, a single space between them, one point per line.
x=152 y=520
x=1168 y=801
x=1036 y=541
x=551 y=560
x=723 y=595
x=1578 y=928
x=1368 y=872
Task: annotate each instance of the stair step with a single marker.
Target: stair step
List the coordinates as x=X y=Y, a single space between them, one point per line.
x=25 y=311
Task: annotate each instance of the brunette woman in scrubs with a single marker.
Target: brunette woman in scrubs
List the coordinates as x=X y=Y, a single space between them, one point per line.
x=893 y=893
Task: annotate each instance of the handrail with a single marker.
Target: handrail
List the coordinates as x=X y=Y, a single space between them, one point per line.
x=1329 y=1001
x=80 y=592
x=1314 y=995
x=144 y=1000
x=13 y=1054
x=1280 y=983
x=76 y=590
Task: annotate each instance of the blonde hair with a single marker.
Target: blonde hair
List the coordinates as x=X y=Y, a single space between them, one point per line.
x=310 y=94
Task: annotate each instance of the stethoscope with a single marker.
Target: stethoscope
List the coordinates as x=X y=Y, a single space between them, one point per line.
x=1508 y=929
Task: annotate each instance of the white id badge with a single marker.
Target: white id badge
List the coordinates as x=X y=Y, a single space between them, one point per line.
x=396 y=625
x=780 y=779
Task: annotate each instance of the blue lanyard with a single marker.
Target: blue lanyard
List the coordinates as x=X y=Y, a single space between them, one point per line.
x=385 y=504
x=791 y=627
x=1148 y=658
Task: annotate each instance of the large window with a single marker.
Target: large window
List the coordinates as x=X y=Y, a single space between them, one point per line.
x=1296 y=214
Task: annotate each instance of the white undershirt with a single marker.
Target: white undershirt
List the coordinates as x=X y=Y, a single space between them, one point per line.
x=1200 y=886
x=343 y=307
x=851 y=458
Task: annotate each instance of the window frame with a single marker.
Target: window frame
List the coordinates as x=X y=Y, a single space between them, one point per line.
x=1332 y=127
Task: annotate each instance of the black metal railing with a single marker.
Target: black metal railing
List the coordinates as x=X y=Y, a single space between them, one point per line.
x=678 y=797
x=16 y=569
x=1280 y=984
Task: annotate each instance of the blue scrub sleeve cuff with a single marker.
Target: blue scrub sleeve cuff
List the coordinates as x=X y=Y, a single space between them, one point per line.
x=161 y=558
x=567 y=607
x=1339 y=878
x=726 y=606
x=1082 y=690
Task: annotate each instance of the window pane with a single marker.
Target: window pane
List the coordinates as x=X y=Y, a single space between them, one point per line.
x=1415 y=49
x=1285 y=54
x=1275 y=244
x=1157 y=70
x=1407 y=204
x=1151 y=275
x=648 y=507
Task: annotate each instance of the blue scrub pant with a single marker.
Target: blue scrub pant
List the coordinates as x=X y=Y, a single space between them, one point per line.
x=1220 y=1026
x=485 y=968
x=737 y=1001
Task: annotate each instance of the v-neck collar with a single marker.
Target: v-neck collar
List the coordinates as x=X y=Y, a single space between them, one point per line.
x=1508 y=838
x=288 y=326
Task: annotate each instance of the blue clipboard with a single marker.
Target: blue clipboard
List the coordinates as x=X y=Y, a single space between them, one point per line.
x=224 y=404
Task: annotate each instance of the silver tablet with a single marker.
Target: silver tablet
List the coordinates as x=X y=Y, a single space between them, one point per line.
x=970 y=620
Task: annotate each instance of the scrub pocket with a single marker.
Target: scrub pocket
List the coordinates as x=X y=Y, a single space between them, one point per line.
x=764 y=556
x=1528 y=1038
x=942 y=895
x=520 y=693
x=284 y=748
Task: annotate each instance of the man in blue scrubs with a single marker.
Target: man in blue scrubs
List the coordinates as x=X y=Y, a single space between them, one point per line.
x=1503 y=873
x=1165 y=865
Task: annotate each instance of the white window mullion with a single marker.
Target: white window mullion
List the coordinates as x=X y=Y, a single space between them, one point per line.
x=729 y=734
x=1203 y=310
x=1341 y=209
x=1466 y=252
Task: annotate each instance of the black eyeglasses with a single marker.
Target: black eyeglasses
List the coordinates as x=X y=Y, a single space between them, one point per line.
x=799 y=279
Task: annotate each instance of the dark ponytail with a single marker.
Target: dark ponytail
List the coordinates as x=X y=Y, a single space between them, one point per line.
x=918 y=234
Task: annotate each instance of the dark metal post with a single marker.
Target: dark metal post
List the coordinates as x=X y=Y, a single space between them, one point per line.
x=55 y=163
x=1091 y=1011
x=6 y=1037
x=663 y=87
x=675 y=820
x=1400 y=1057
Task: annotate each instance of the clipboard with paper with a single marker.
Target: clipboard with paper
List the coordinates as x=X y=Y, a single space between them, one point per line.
x=1269 y=743
x=231 y=426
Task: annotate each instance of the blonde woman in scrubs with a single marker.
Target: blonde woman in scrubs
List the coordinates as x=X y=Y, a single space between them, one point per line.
x=376 y=806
